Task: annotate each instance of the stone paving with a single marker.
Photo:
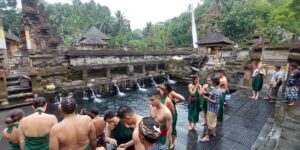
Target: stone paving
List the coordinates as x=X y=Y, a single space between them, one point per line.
x=245 y=122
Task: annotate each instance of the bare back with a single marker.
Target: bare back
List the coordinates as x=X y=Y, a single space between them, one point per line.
x=37 y=125
x=73 y=133
x=223 y=83
x=99 y=124
x=13 y=137
x=136 y=140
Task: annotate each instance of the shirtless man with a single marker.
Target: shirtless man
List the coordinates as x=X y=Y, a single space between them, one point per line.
x=131 y=119
x=224 y=88
x=99 y=124
x=74 y=132
x=35 y=128
x=163 y=116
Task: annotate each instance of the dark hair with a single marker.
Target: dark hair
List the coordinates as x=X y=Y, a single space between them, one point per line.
x=83 y=112
x=94 y=111
x=277 y=66
x=68 y=105
x=215 y=80
x=123 y=111
x=169 y=87
x=294 y=66
x=194 y=78
x=147 y=129
x=163 y=88
x=109 y=114
x=14 y=115
x=154 y=92
x=221 y=71
x=39 y=102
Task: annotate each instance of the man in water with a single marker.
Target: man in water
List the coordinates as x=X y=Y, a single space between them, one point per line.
x=99 y=124
x=131 y=119
x=74 y=131
x=149 y=133
x=213 y=105
x=163 y=115
x=36 y=127
x=224 y=88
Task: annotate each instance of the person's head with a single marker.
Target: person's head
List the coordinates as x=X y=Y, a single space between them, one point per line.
x=169 y=88
x=215 y=81
x=259 y=66
x=149 y=131
x=110 y=117
x=163 y=90
x=293 y=67
x=195 y=79
x=125 y=113
x=39 y=102
x=70 y=94
x=208 y=80
x=277 y=67
x=83 y=111
x=94 y=113
x=220 y=73
x=154 y=97
x=14 y=116
x=68 y=106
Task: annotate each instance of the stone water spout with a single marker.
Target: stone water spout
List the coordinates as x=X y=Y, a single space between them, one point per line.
x=118 y=89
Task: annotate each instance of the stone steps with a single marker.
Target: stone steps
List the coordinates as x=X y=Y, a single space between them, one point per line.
x=20 y=95
x=11 y=83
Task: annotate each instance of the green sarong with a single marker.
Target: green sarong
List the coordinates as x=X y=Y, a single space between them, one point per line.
x=122 y=134
x=37 y=143
x=194 y=108
x=163 y=136
x=174 y=119
x=14 y=146
x=221 y=109
x=88 y=147
x=257 y=83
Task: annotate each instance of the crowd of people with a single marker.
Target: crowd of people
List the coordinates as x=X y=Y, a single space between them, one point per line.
x=121 y=128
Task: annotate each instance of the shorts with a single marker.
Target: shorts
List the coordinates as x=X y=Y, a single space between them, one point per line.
x=211 y=120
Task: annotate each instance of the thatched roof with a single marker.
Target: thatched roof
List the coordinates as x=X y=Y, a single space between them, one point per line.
x=93 y=41
x=11 y=37
x=95 y=33
x=295 y=45
x=214 y=39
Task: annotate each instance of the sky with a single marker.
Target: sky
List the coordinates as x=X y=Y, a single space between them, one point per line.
x=139 y=12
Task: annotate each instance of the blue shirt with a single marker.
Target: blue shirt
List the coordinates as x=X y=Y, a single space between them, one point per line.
x=276 y=76
x=216 y=95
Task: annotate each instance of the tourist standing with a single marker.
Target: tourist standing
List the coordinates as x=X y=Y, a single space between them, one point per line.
x=257 y=81
x=292 y=89
x=116 y=131
x=212 y=109
x=275 y=83
x=207 y=88
x=99 y=124
x=224 y=88
x=74 y=131
x=163 y=115
x=194 y=105
x=131 y=119
x=175 y=98
x=12 y=132
x=149 y=134
x=36 y=127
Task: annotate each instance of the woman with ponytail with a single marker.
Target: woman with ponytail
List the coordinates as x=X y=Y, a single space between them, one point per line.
x=12 y=132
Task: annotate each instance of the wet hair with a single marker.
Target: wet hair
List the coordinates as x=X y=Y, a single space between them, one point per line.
x=215 y=80
x=163 y=88
x=83 y=112
x=277 y=66
x=154 y=92
x=94 y=111
x=109 y=114
x=149 y=128
x=221 y=71
x=39 y=102
x=169 y=87
x=13 y=116
x=68 y=105
x=123 y=111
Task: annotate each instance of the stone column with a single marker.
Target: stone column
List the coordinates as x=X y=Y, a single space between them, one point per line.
x=3 y=90
x=35 y=81
x=84 y=74
x=143 y=68
x=156 y=67
x=108 y=72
